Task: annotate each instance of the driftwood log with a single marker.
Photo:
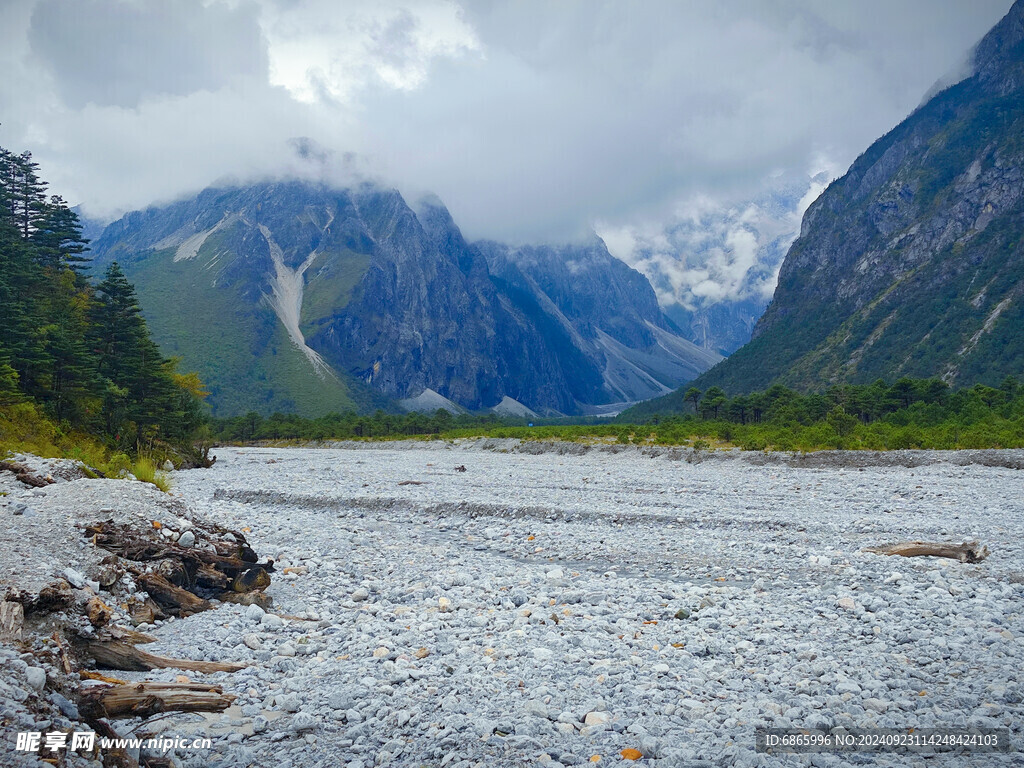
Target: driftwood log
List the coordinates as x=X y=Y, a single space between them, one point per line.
x=968 y=552
x=147 y=699
x=262 y=599
x=172 y=580
x=125 y=635
x=24 y=474
x=230 y=557
x=183 y=580
x=115 y=654
x=176 y=600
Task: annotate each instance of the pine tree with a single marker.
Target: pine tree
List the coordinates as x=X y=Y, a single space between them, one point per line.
x=141 y=394
x=9 y=391
x=58 y=237
x=26 y=192
x=15 y=268
x=83 y=353
x=74 y=385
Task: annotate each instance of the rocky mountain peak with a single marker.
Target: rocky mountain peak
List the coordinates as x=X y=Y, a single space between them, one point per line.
x=911 y=263
x=359 y=295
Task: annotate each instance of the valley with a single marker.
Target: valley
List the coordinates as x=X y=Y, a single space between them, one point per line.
x=614 y=601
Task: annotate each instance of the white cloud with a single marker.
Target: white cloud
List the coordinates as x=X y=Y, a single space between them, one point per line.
x=709 y=251
x=530 y=119
x=326 y=49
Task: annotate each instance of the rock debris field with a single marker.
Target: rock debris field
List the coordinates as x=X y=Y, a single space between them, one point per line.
x=481 y=604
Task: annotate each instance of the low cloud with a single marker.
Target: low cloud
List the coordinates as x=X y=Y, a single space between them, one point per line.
x=532 y=120
x=709 y=252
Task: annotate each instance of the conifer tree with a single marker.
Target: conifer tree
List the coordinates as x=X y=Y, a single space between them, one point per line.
x=83 y=353
x=141 y=392
x=73 y=383
x=26 y=192
x=58 y=237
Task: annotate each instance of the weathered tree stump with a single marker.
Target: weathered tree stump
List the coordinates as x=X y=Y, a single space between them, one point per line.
x=98 y=612
x=144 y=611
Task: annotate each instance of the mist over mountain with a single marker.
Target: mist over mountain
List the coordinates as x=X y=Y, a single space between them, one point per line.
x=714 y=265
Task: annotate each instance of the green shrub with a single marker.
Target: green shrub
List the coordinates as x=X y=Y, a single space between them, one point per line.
x=145 y=470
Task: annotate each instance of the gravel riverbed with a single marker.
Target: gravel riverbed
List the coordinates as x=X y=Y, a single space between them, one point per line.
x=461 y=605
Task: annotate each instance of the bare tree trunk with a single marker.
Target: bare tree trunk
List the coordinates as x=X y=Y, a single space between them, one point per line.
x=147 y=699
x=968 y=552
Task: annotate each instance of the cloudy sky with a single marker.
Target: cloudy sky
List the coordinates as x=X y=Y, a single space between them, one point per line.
x=531 y=120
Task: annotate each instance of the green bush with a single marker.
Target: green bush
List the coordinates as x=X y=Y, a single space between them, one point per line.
x=145 y=470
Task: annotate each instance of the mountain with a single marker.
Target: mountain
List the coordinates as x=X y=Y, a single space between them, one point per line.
x=912 y=263
x=605 y=310
x=295 y=296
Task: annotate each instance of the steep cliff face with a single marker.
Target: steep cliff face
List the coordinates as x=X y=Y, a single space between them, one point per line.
x=604 y=311
x=294 y=296
x=724 y=326
x=913 y=262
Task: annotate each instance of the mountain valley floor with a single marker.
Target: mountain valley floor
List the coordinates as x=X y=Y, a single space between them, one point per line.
x=463 y=604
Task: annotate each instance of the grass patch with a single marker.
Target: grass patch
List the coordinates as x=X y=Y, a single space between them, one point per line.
x=145 y=470
x=239 y=348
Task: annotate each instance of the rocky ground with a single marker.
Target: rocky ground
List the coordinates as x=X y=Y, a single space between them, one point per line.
x=478 y=604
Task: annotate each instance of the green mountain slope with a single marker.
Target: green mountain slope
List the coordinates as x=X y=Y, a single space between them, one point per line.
x=912 y=264
x=243 y=354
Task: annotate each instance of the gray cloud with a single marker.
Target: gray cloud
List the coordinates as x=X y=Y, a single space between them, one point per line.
x=117 y=53
x=531 y=120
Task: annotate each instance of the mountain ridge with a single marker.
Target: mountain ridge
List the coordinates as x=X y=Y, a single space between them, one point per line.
x=385 y=303
x=906 y=265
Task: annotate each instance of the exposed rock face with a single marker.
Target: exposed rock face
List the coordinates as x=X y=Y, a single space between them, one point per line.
x=913 y=262
x=606 y=310
x=333 y=290
x=725 y=326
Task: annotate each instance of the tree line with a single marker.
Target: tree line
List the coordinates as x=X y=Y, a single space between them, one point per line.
x=347 y=426
x=910 y=413
x=866 y=402
x=80 y=352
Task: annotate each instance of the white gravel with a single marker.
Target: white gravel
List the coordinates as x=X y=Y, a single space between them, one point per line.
x=40 y=535
x=542 y=609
